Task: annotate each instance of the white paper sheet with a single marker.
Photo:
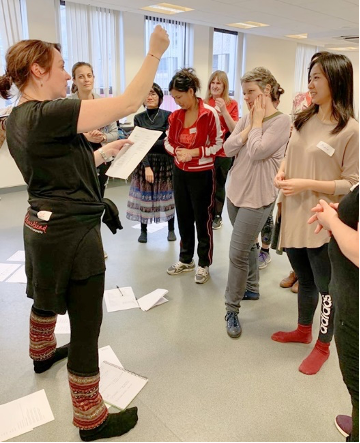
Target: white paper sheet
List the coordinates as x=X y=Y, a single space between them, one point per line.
x=18 y=276
x=152 y=299
x=62 y=324
x=6 y=269
x=120 y=301
x=131 y=155
x=18 y=256
x=152 y=227
x=118 y=386
x=107 y=354
x=22 y=415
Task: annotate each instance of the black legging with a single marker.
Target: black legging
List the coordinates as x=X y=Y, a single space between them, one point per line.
x=84 y=304
x=347 y=345
x=312 y=267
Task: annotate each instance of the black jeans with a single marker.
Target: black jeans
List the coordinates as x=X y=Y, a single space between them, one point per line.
x=194 y=199
x=313 y=269
x=84 y=305
x=222 y=166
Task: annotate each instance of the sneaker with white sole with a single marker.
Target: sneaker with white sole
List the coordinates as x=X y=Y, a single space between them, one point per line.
x=202 y=275
x=264 y=259
x=179 y=267
x=217 y=223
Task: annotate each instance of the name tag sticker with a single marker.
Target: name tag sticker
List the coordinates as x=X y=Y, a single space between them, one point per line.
x=192 y=131
x=44 y=215
x=329 y=150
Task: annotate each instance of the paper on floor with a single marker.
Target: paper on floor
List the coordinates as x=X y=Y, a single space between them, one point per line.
x=22 y=415
x=18 y=256
x=154 y=298
x=118 y=386
x=62 y=324
x=6 y=269
x=120 y=300
x=18 y=276
x=106 y=353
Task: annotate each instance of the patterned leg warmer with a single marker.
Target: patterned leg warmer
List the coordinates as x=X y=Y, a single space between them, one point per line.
x=43 y=343
x=91 y=414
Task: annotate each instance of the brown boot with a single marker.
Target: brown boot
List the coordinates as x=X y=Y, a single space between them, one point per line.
x=295 y=287
x=289 y=281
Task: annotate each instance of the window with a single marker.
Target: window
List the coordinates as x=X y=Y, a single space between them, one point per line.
x=224 y=55
x=91 y=34
x=175 y=57
x=13 y=27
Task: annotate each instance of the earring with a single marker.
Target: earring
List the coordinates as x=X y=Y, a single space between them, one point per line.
x=41 y=83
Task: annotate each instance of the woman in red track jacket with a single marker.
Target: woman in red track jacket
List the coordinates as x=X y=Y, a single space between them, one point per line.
x=193 y=138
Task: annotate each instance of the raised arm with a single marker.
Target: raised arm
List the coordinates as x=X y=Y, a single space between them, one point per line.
x=98 y=113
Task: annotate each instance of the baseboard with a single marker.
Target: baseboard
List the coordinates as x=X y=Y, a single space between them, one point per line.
x=13 y=189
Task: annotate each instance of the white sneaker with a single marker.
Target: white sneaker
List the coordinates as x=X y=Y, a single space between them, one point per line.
x=179 y=267
x=202 y=275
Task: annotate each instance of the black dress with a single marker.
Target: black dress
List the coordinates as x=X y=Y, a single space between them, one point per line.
x=152 y=202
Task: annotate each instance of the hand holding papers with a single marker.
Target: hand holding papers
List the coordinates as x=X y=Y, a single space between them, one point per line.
x=130 y=156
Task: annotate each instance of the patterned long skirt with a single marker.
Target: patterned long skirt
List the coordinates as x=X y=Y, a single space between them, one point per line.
x=152 y=202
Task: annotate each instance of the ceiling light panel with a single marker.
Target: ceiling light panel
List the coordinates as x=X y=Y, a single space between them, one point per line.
x=166 y=8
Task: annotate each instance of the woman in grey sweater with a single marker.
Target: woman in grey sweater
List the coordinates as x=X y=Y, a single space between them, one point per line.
x=258 y=144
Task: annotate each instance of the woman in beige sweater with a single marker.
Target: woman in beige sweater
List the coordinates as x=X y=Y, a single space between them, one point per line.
x=321 y=163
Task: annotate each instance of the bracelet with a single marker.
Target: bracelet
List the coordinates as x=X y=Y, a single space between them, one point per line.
x=104 y=156
x=152 y=55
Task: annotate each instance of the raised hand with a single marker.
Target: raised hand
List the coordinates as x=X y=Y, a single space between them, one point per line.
x=159 y=42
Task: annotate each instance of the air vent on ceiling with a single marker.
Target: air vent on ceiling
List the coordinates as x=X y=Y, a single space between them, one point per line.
x=349 y=38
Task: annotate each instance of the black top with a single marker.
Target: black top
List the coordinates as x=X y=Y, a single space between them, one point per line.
x=157 y=120
x=59 y=168
x=54 y=160
x=344 y=285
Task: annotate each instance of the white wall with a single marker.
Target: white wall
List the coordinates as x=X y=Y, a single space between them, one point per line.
x=10 y=174
x=279 y=57
x=42 y=20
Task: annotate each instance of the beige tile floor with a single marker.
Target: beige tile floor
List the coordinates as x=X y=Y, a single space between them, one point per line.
x=203 y=386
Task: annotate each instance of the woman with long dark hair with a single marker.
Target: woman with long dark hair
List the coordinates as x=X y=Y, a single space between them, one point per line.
x=322 y=162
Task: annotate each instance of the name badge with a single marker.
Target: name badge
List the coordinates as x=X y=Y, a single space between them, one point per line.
x=192 y=131
x=44 y=215
x=329 y=150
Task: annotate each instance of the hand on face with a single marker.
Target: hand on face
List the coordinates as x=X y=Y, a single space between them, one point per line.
x=258 y=109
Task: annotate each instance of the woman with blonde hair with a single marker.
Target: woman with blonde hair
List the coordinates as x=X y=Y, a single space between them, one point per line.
x=258 y=144
x=217 y=96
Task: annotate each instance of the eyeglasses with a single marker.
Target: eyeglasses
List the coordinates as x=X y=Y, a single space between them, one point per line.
x=152 y=94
